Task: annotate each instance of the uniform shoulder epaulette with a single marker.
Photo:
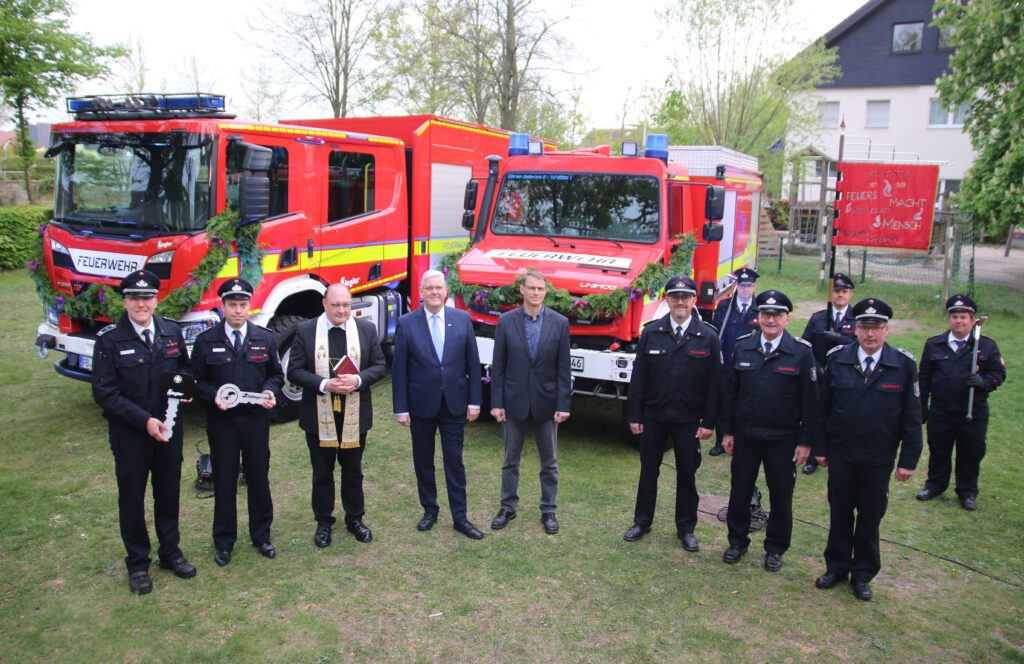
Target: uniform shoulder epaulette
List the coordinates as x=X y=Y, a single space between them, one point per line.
x=745 y=336
x=713 y=327
x=835 y=349
x=800 y=340
x=108 y=328
x=907 y=353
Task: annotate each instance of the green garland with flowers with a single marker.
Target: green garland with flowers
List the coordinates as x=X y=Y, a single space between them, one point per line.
x=650 y=281
x=100 y=300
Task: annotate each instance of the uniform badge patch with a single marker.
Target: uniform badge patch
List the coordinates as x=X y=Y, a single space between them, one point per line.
x=917 y=389
x=814 y=374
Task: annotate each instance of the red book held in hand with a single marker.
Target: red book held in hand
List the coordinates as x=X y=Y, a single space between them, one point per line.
x=346 y=366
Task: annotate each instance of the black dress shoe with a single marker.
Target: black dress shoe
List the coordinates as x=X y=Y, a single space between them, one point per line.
x=733 y=554
x=550 y=522
x=502 y=518
x=222 y=558
x=926 y=494
x=861 y=589
x=140 y=583
x=182 y=568
x=716 y=450
x=829 y=580
x=428 y=521
x=266 y=549
x=969 y=503
x=809 y=468
x=322 y=537
x=689 y=541
x=468 y=529
x=772 y=561
x=636 y=533
x=359 y=531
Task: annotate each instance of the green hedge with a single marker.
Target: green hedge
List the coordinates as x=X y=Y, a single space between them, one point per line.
x=18 y=225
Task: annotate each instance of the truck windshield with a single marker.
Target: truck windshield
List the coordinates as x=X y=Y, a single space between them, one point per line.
x=609 y=206
x=148 y=183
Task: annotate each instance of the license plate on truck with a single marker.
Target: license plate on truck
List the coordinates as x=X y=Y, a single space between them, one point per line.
x=85 y=362
x=576 y=362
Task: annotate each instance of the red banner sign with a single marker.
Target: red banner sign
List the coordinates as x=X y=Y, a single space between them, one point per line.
x=886 y=205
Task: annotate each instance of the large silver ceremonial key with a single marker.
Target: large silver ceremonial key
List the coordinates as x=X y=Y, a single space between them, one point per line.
x=231 y=396
x=175 y=386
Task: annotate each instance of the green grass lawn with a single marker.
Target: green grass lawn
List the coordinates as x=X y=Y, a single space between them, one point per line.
x=516 y=596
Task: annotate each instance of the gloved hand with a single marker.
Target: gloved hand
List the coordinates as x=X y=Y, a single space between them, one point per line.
x=975 y=380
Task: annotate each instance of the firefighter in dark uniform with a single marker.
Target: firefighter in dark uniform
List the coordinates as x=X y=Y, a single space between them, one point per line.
x=946 y=378
x=870 y=405
x=735 y=317
x=674 y=393
x=245 y=355
x=129 y=358
x=842 y=332
x=769 y=413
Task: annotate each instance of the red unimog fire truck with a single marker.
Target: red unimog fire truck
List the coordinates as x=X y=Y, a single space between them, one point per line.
x=369 y=202
x=594 y=224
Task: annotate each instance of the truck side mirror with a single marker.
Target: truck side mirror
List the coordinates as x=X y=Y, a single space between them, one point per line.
x=470 y=202
x=714 y=203
x=468 y=220
x=254 y=186
x=713 y=231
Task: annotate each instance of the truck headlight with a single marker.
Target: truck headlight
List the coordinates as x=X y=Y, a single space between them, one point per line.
x=193 y=328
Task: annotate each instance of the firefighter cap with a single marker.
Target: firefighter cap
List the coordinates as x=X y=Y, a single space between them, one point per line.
x=746 y=275
x=681 y=284
x=142 y=283
x=961 y=302
x=841 y=281
x=872 y=310
x=235 y=289
x=773 y=300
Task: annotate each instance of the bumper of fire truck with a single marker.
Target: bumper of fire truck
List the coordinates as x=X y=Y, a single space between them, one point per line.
x=595 y=373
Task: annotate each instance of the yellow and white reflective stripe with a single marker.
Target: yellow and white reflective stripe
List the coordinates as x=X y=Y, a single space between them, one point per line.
x=299 y=132
x=439 y=246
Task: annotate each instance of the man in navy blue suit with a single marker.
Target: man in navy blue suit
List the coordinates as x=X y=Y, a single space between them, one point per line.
x=436 y=386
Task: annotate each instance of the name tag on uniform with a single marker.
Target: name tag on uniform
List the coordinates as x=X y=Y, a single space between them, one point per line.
x=744 y=364
x=219 y=350
x=128 y=352
x=655 y=351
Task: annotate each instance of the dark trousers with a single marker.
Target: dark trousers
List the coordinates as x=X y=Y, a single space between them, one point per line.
x=852 y=546
x=946 y=432
x=249 y=436
x=546 y=433
x=652 y=451
x=138 y=459
x=777 y=456
x=422 y=430
x=351 y=462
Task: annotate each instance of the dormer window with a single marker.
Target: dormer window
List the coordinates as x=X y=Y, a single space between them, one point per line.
x=907 y=37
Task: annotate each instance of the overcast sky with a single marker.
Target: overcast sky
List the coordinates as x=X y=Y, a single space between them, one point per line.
x=618 y=47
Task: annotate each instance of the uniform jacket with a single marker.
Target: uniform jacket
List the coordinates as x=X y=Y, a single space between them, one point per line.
x=526 y=386
x=302 y=372
x=815 y=332
x=774 y=397
x=419 y=379
x=253 y=368
x=678 y=382
x=737 y=326
x=944 y=372
x=865 y=420
x=126 y=374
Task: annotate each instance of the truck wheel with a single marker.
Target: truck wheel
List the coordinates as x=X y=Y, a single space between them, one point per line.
x=287 y=408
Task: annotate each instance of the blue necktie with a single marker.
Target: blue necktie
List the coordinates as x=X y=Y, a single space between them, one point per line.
x=238 y=339
x=435 y=332
x=147 y=337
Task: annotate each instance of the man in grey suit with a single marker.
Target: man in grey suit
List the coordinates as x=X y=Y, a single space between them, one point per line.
x=531 y=379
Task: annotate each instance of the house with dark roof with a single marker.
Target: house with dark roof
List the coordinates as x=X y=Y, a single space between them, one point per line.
x=886 y=98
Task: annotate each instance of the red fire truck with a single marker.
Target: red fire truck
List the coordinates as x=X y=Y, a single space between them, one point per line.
x=368 y=202
x=592 y=223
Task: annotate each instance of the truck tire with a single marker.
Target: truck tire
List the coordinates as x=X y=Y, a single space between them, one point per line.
x=290 y=400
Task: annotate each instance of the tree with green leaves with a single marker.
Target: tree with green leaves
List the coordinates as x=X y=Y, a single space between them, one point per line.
x=41 y=59
x=987 y=74
x=735 y=85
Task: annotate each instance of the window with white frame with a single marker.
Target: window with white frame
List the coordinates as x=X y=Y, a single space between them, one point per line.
x=907 y=37
x=828 y=112
x=939 y=116
x=878 y=113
